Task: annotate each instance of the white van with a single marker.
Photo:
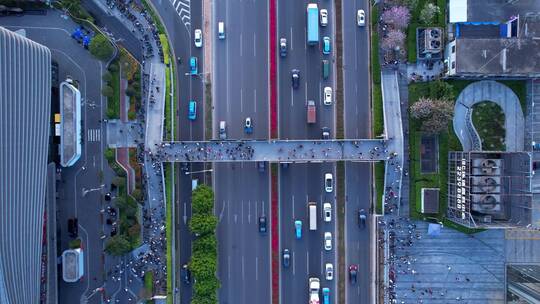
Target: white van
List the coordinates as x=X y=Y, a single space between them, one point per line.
x=221 y=30
x=222 y=130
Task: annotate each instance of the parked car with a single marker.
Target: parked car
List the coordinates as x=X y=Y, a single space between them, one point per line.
x=362 y=218
x=108 y=197
x=286 y=257
x=114 y=231
x=324 y=17
x=283 y=47
x=327 y=212
x=198 y=38
x=360 y=17
x=329 y=271
x=73 y=227
x=327 y=48
x=328 y=182
x=295 y=78
x=248 y=126
x=327 y=96
x=327 y=241
x=298 y=229
x=186 y=274
x=192 y=110
x=353 y=272
x=262 y=224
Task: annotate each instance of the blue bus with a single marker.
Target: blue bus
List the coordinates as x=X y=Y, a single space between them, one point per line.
x=312 y=24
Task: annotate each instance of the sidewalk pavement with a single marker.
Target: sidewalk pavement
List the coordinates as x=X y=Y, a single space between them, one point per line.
x=489 y=90
x=155 y=107
x=394 y=132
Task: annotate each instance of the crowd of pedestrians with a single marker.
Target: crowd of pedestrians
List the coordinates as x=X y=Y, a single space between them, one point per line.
x=270 y=151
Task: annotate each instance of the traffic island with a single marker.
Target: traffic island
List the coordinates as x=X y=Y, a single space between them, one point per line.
x=275 y=232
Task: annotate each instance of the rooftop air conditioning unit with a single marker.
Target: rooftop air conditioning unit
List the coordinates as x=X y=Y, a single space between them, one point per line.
x=433 y=39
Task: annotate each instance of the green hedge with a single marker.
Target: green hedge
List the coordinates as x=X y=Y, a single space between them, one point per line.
x=203 y=264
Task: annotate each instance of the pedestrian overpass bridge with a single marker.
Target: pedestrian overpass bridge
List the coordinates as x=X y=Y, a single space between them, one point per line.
x=294 y=151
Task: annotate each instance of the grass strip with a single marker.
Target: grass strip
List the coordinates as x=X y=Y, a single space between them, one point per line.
x=168 y=105
x=377 y=103
x=379 y=186
x=113 y=102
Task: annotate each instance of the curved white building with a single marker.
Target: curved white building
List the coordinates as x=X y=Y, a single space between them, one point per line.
x=25 y=102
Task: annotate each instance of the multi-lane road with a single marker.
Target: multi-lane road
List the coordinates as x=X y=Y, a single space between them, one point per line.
x=357 y=124
x=240 y=64
x=303 y=183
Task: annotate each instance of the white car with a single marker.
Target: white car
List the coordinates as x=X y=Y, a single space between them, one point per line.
x=328 y=182
x=360 y=18
x=324 y=17
x=329 y=271
x=327 y=212
x=327 y=241
x=198 y=38
x=327 y=96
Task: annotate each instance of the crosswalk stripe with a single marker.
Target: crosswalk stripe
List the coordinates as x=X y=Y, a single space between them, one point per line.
x=94 y=135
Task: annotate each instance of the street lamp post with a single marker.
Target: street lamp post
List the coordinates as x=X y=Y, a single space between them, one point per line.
x=201 y=171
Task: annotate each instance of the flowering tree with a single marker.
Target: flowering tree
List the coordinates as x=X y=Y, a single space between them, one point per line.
x=434 y=114
x=398 y=16
x=393 y=40
x=428 y=13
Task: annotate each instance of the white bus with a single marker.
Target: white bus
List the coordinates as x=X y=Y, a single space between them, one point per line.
x=312 y=215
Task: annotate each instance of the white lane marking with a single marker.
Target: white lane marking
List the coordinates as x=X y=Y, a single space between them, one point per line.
x=307 y=261
x=293 y=264
x=255 y=99
x=241 y=42
x=320 y=94
x=263 y=209
x=243 y=269
x=292 y=198
x=322 y=266
x=229 y=266
x=292 y=97
x=305 y=89
x=256 y=209
x=249 y=212
x=228 y=212
x=256 y=268
x=241 y=102
x=254 y=45
x=291 y=39
x=242 y=216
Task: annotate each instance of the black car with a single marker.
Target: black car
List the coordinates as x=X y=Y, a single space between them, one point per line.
x=286 y=258
x=353 y=272
x=283 y=47
x=362 y=218
x=295 y=77
x=73 y=227
x=184 y=167
x=186 y=274
x=108 y=196
x=284 y=165
x=262 y=224
x=114 y=231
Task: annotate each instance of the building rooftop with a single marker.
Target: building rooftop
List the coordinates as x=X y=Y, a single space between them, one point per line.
x=70 y=138
x=500 y=10
x=498 y=57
